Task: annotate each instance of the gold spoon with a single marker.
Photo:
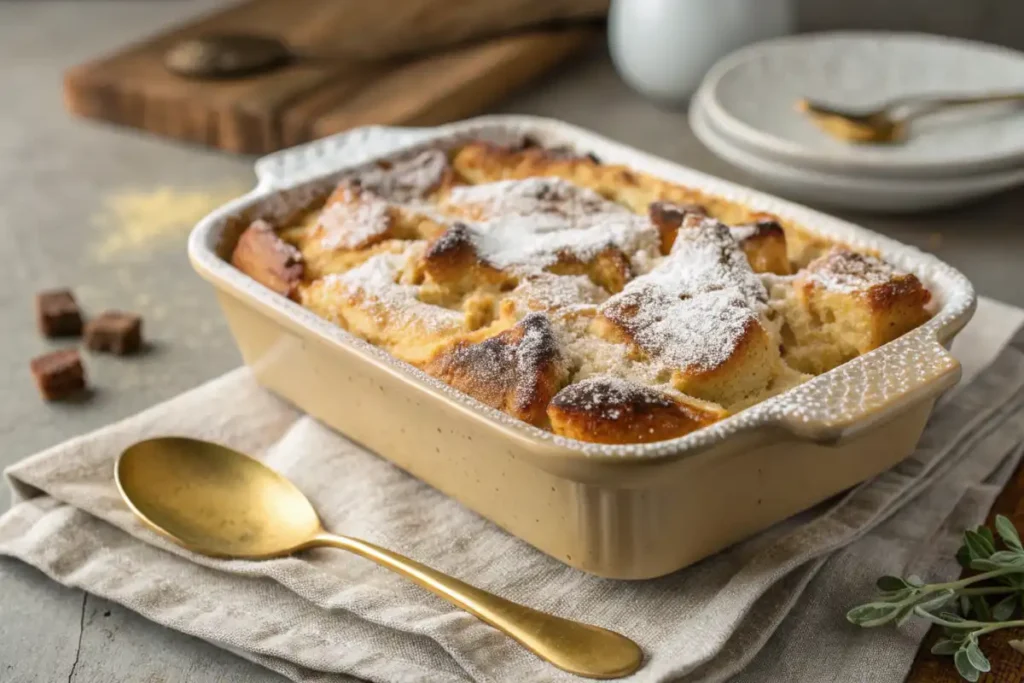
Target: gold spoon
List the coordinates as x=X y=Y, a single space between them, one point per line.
x=216 y=501
x=888 y=123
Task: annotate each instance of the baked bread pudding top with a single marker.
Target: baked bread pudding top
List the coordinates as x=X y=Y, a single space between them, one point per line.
x=584 y=298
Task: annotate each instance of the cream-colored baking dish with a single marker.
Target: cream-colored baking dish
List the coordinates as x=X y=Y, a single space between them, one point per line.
x=628 y=512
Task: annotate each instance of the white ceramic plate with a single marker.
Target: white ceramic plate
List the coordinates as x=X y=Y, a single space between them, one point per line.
x=848 y=192
x=752 y=95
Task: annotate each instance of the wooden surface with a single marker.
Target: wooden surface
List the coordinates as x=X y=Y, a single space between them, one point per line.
x=332 y=90
x=1007 y=663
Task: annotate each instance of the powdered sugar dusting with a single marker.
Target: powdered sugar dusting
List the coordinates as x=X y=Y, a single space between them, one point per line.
x=528 y=225
x=698 y=333
x=379 y=279
x=406 y=180
x=518 y=242
x=846 y=271
x=606 y=396
x=290 y=255
x=591 y=356
x=561 y=293
x=535 y=197
x=706 y=258
x=742 y=233
x=695 y=307
x=353 y=219
x=517 y=363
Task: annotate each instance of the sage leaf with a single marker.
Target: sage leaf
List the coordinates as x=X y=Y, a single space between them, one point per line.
x=945 y=647
x=977 y=658
x=1017 y=645
x=963 y=557
x=1012 y=580
x=983 y=565
x=895 y=596
x=905 y=615
x=981 y=608
x=980 y=546
x=1004 y=609
x=915 y=581
x=956 y=635
x=872 y=614
x=935 y=602
x=1009 y=558
x=965 y=605
x=891 y=583
x=987 y=534
x=964 y=666
x=1008 y=533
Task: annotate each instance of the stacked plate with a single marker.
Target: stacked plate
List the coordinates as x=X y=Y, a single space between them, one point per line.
x=745 y=112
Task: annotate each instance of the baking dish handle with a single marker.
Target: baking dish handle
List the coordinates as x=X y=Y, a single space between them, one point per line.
x=870 y=389
x=335 y=152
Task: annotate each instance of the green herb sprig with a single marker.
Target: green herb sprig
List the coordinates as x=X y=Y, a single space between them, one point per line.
x=966 y=609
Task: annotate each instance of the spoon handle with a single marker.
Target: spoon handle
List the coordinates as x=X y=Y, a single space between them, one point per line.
x=922 y=106
x=578 y=648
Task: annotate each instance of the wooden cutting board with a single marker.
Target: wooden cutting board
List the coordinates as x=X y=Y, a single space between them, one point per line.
x=339 y=90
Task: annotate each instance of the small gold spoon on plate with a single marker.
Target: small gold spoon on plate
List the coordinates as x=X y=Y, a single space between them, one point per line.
x=216 y=501
x=888 y=123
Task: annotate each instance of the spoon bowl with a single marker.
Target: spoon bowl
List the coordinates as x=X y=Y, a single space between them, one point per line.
x=218 y=502
x=215 y=500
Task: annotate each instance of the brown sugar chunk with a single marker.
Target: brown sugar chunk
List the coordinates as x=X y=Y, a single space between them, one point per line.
x=517 y=371
x=607 y=409
x=115 y=332
x=58 y=374
x=57 y=314
x=268 y=259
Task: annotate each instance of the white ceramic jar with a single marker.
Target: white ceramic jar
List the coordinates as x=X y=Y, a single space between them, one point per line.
x=663 y=48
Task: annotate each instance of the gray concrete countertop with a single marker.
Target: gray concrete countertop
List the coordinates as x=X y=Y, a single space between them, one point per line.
x=72 y=197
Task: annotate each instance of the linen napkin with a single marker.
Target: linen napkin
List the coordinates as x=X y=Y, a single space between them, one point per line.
x=330 y=616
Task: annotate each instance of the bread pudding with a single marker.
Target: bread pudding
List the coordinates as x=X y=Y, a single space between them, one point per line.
x=584 y=298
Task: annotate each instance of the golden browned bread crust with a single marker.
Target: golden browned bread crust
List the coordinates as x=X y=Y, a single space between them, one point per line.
x=585 y=298
x=378 y=301
x=764 y=243
x=517 y=371
x=845 y=304
x=668 y=218
x=613 y=410
x=268 y=259
x=763 y=240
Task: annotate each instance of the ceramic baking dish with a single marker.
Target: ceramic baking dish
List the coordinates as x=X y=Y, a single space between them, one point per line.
x=628 y=512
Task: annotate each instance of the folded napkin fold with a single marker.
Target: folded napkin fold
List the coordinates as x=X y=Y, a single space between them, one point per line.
x=329 y=616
